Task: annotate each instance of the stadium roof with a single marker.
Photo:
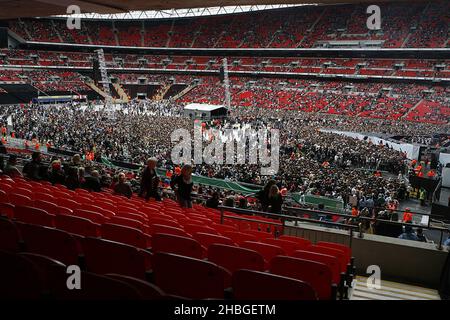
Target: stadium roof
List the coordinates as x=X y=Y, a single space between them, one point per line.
x=41 y=8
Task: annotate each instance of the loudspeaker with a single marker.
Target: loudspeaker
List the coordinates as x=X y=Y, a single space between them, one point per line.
x=3 y=37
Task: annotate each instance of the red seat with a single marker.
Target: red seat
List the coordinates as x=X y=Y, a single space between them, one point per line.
x=9 y=236
x=133 y=216
x=6 y=187
x=33 y=215
x=301 y=241
x=159 y=228
x=288 y=246
x=332 y=252
x=68 y=203
x=317 y=274
x=165 y=222
x=104 y=256
x=222 y=228
x=42 y=190
x=189 y=277
x=184 y=246
x=127 y=235
x=56 y=244
x=234 y=258
x=331 y=261
x=20 y=200
x=129 y=223
x=268 y=251
x=49 y=207
x=106 y=205
x=19 y=278
x=260 y=235
x=239 y=237
x=4 y=196
x=77 y=225
x=97 y=209
x=7 y=210
x=256 y=285
x=67 y=211
x=194 y=228
x=346 y=249
x=207 y=239
x=44 y=196
x=93 y=216
x=146 y=290
x=23 y=191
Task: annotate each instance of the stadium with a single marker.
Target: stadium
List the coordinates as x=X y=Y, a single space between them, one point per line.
x=224 y=150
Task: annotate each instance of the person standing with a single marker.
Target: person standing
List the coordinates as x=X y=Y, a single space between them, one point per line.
x=182 y=185
x=150 y=181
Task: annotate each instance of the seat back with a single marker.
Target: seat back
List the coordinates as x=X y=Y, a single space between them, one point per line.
x=128 y=223
x=288 y=246
x=194 y=228
x=104 y=256
x=7 y=210
x=33 y=215
x=146 y=290
x=20 y=199
x=19 y=278
x=331 y=261
x=127 y=235
x=268 y=251
x=346 y=249
x=47 y=206
x=91 y=215
x=189 y=277
x=301 y=241
x=184 y=246
x=9 y=236
x=207 y=239
x=239 y=237
x=234 y=258
x=256 y=285
x=77 y=225
x=159 y=228
x=54 y=243
x=332 y=252
x=317 y=274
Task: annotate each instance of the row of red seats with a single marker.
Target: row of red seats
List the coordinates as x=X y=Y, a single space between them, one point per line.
x=173 y=228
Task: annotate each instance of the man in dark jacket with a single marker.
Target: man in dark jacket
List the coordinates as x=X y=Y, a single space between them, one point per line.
x=122 y=187
x=150 y=181
x=32 y=169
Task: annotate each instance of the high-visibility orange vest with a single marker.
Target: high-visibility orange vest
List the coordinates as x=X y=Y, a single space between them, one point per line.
x=13 y=135
x=420 y=174
x=3 y=140
x=407 y=217
x=355 y=212
x=431 y=174
x=37 y=146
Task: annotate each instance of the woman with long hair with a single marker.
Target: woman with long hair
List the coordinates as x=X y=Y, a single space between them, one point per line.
x=182 y=185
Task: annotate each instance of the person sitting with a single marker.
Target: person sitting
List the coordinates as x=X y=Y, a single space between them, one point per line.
x=408 y=234
x=32 y=169
x=11 y=167
x=72 y=180
x=263 y=195
x=122 y=187
x=213 y=202
x=92 y=182
x=56 y=174
x=182 y=185
x=420 y=235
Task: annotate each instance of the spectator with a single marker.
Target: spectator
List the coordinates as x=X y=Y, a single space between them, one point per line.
x=122 y=187
x=92 y=182
x=420 y=235
x=408 y=234
x=56 y=174
x=11 y=167
x=72 y=179
x=182 y=185
x=150 y=181
x=213 y=202
x=32 y=169
x=275 y=200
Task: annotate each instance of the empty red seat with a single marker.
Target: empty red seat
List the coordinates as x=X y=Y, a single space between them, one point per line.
x=332 y=252
x=67 y=211
x=222 y=228
x=331 y=261
x=317 y=274
x=129 y=223
x=165 y=222
x=239 y=237
x=188 y=247
x=93 y=216
x=4 y=196
x=20 y=200
x=68 y=203
x=127 y=235
x=7 y=210
x=146 y=290
x=97 y=209
x=44 y=196
x=268 y=251
x=49 y=207
x=303 y=242
x=19 y=278
x=194 y=228
x=106 y=205
x=23 y=191
x=105 y=256
x=7 y=188
x=234 y=258
x=77 y=225
x=260 y=234
x=207 y=239
x=158 y=228
x=256 y=285
x=133 y=216
x=189 y=277
x=346 y=249
x=9 y=236
x=33 y=215
x=55 y=243
x=288 y=246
